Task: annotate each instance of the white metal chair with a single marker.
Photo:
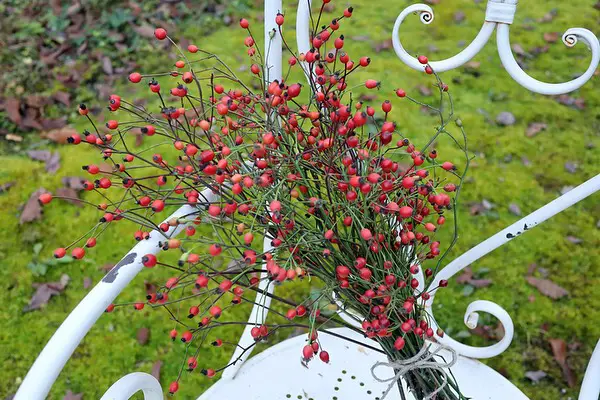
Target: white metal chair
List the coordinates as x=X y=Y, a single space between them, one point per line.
x=348 y=375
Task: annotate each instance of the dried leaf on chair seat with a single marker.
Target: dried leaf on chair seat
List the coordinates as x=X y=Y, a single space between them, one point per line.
x=547 y=287
x=559 y=350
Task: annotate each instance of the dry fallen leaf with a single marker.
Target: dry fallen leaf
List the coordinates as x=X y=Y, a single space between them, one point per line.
x=547 y=287
x=535 y=376
x=106 y=267
x=107 y=65
x=87 y=282
x=424 y=90
x=143 y=335
x=534 y=128
x=12 y=106
x=383 y=45
x=52 y=160
x=39 y=155
x=488 y=332
x=467 y=278
x=59 y=135
x=45 y=291
x=144 y=30
x=62 y=97
x=514 y=209
x=72 y=396
x=559 y=351
x=156 y=369
x=70 y=195
x=574 y=239
x=551 y=37
x=32 y=210
x=4 y=187
x=577 y=103
x=73 y=182
x=480 y=283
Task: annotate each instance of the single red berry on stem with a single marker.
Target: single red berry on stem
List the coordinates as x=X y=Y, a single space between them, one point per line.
x=45 y=198
x=279 y=19
x=78 y=253
x=160 y=33
x=60 y=252
x=135 y=77
x=149 y=260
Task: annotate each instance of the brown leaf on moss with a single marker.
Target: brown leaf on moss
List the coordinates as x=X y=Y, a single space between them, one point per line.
x=547 y=287
x=424 y=90
x=150 y=288
x=87 y=282
x=44 y=291
x=50 y=124
x=12 y=107
x=106 y=267
x=534 y=128
x=72 y=396
x=33 y=209
x=62 y=97
x=145 y=30
x=551 y=37
x=156 y=369
x=465 y=277
x=480 y=283
x=4 y=187
x=143 y=336
x=559 y=351
x=383 y=45
x=59 y=135
x=535 y=376
x=73 y=182
x=70 y=195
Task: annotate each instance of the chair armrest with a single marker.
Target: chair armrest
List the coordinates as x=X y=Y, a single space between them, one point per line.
x=62 y=344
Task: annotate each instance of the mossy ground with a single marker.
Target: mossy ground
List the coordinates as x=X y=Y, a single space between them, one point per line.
x=110 y=350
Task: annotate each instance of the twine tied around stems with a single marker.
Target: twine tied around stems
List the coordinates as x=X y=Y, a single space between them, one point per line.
x=414 y=363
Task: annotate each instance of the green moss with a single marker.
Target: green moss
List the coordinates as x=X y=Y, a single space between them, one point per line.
x=110 y=350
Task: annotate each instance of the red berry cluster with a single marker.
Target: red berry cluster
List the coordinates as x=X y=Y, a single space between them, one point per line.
x=343 y=196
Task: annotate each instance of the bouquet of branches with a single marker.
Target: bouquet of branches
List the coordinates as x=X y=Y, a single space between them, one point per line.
x=330 y=185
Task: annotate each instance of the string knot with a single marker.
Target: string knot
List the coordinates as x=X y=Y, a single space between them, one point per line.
x=419 y=361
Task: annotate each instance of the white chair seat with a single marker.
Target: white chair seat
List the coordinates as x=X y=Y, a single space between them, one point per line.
x=277 y=373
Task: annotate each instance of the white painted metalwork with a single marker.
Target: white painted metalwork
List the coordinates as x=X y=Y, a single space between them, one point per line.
x=244 y=379
x=500 y=15
x=132 y=383
x=518 y=228
x=277 y=372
